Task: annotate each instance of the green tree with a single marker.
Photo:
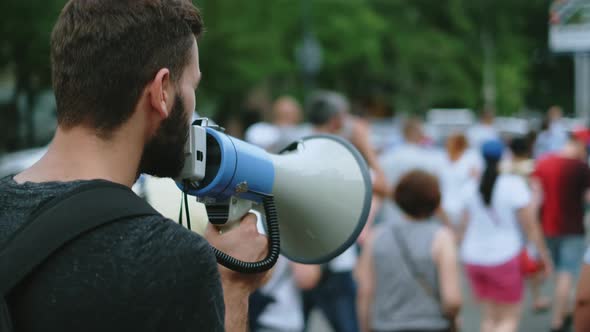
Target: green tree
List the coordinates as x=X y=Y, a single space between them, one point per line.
x=418 y=54
x=25 y=29
x=427 y=52
x=244 y=45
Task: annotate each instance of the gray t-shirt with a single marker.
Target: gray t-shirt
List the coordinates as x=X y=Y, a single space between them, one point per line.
x=140 y=274
x=400 y=302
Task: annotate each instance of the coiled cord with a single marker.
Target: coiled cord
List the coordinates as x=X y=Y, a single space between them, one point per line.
x=274 y=244
x=273 y=234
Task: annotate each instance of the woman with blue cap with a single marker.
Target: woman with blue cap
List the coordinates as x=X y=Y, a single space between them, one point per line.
x=491 y=241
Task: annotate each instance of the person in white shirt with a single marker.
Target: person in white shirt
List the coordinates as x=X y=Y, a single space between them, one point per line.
x=491 y=243
x=553 y=136
x=461 y=173
x=329 y=113
x=284 y=129
x=408 y=156
x=277 y=306
x=335 y=295
x=484 y=131
x=520 y=163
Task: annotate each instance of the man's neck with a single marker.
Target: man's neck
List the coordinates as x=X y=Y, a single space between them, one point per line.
x=78 y=154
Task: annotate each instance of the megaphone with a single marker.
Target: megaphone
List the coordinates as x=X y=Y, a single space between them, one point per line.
x=320 y=186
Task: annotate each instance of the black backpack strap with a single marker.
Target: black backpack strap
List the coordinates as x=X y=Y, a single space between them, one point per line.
x=63 y=219
x=58 y=222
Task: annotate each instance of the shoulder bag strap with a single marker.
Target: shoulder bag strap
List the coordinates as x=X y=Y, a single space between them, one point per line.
x=58 y=222
x=421 y=279
x=414 y=271
x=63 y=219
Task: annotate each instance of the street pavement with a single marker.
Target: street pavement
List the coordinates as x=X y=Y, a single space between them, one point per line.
x=530 y=322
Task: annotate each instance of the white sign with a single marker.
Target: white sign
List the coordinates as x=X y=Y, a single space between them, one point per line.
x=570 y=38
x=569 y=29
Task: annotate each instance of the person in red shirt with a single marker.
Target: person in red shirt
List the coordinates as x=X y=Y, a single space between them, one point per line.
x=563 y=179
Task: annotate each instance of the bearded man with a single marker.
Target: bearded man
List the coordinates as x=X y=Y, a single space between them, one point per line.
x=124 y=75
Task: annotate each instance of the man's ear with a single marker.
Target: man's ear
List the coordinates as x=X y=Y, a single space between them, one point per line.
x=160 y=91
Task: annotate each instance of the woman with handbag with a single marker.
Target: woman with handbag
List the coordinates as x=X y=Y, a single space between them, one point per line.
x=408 y=278
x=522 y=164
x=492 y=249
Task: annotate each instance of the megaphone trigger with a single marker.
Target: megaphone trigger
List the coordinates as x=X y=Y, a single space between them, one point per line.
x=272 y=227
x=237 y=208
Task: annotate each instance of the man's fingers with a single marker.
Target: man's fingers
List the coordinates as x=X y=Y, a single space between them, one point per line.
x=211 y=231
x=248 y=223
x=249 y=218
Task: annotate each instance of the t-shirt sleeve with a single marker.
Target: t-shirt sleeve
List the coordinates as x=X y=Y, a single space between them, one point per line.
x=519 y=192
x=439 y=164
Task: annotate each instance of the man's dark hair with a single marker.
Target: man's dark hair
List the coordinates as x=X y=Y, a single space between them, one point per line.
x=104 y=53
x=418 y=194
x=521 y=147
x=325 y=105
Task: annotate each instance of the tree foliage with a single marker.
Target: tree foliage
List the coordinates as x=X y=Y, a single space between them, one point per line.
x=418 y=54
x=25 y=29
x=414 y=54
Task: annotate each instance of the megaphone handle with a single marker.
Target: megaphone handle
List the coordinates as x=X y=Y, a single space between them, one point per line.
x=274 y=246
x=238 y=208
x=227 y=227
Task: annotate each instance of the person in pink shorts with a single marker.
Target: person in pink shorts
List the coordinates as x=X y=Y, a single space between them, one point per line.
x=501 y=283
x=491 y=242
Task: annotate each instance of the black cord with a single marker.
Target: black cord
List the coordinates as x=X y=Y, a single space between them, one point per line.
x=274 y=244
x=188 y=216
x=184 y=198
x=180 y=213
x=274 y=238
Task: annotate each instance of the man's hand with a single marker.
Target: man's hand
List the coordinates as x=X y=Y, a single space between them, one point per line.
x=246 y=244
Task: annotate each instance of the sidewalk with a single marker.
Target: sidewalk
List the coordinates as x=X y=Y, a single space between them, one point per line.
x=530 y=321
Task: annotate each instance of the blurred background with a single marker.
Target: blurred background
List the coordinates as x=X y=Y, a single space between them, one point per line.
x=443 y=61
x=389 y=56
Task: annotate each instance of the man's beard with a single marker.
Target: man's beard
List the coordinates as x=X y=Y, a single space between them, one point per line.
x=163 y=155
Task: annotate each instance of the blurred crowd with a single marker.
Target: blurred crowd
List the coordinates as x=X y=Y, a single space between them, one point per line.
x=504 y=211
